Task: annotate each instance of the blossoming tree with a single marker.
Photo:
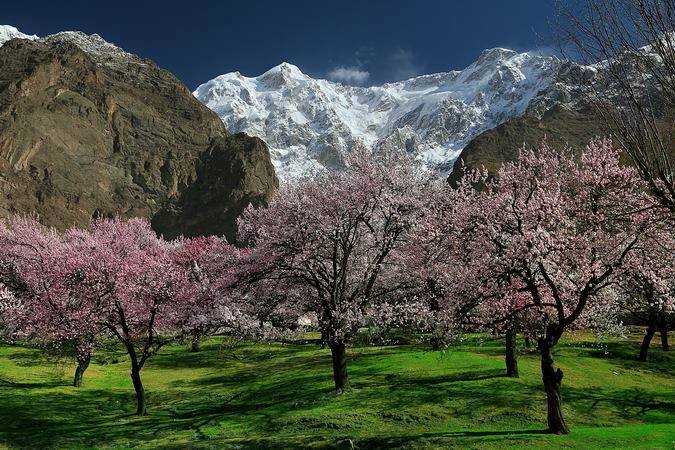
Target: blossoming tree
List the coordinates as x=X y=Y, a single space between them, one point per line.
x=212 y=302
x=137 y=292
x=35 y=265
x=646 y=288
x=334 y=236
x=538 y=244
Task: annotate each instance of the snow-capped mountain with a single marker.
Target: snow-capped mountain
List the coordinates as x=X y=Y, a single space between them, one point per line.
x=310 y=124
x=8 y=32
x=102 y=52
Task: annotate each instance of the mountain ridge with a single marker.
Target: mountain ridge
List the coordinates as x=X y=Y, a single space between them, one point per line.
x=310 y=124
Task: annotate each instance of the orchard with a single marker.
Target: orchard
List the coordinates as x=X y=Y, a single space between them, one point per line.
x=559 y=241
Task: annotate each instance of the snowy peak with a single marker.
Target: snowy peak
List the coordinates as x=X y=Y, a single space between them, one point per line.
x=285 y=71
x=495 y=55
x=311 y=124
x=102 y=52
x=93 y=43
x=8 y=32
x=282 y=76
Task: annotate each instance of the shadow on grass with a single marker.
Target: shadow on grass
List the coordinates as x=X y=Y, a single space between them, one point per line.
x=625 y=354
x=33 y=421
x=440 y=437
x=214 y=355
x=631 y=404
x=35 y=357
x=67 y=417
x=397 y=381
x=20 y=385
x=272 y=391
x=299 y=383
x=96 y=418
x=449 y=439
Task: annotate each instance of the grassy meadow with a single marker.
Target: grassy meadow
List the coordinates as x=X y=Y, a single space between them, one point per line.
x=253 y=395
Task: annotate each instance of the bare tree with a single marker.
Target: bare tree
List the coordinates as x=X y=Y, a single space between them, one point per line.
x=632 y=44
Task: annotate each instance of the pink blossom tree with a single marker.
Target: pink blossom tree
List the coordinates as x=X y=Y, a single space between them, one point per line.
x=448 y=260
x=137 y=292
x=212 y=302
x=331 y=242
x=115 y=278
x=35 y=262
x=538 y=244
x=191 y=255
x=646 y=288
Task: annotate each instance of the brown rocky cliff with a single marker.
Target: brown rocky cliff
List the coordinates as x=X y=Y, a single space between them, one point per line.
x=87 y=129
x=560 y=126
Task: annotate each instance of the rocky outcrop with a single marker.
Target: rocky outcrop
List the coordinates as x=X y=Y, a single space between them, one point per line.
x=87 y=129
x=559 y=125
x=213 y=202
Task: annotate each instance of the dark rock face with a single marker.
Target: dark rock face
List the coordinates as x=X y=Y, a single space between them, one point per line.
x=559 y=125
x=87 y=129
x=213 y=202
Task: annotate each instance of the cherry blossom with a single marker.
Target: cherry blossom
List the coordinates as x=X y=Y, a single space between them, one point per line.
x=537 y=246
x=327 y=245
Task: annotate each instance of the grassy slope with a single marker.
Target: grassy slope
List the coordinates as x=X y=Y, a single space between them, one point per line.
x=280 y=396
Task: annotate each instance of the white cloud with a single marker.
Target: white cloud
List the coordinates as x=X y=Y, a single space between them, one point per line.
x=349 y=75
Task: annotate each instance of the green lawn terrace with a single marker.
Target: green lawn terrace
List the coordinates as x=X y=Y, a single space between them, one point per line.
x=280 y=395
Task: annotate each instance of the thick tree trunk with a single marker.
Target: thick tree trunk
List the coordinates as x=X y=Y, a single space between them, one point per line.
x=511 y=355
x=140 y=392
x=663 y=330
x=195 y=345
x=552 y=378
x=339 y=353
x=644 y=348
x=82 y=364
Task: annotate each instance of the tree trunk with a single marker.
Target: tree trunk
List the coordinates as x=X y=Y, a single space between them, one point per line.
x=82 y=364
x=140 y=392
x=651 y=330
x=339 y=353
x=194 y=348
x=324 y=339
x=663 y=330
x=552 y=378
x=511 y=355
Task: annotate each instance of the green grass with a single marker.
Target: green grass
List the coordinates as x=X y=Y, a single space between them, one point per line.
x=279 y=396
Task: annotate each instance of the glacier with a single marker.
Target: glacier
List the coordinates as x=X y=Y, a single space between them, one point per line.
x=310 y=124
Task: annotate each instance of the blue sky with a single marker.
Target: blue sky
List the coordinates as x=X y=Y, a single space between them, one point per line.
x=359 y=42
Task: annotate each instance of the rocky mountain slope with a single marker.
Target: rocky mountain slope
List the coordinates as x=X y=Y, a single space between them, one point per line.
x=559 y=125
x=88 y=129
x=311 y=124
